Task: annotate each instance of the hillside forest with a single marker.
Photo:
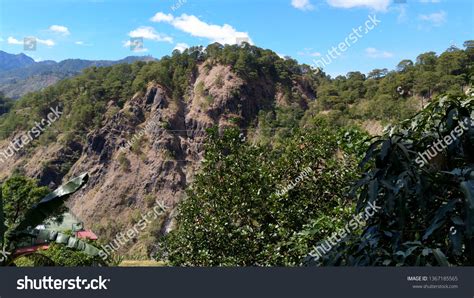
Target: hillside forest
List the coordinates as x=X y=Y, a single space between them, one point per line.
x=290 y=157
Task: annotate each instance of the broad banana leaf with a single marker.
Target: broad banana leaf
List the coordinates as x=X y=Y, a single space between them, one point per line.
x=47 y=206
x=41 y=211
x=50 y=236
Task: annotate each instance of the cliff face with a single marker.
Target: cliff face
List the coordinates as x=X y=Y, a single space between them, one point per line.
x=149 y=150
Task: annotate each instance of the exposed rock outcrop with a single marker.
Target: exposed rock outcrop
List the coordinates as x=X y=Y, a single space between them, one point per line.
x=166 y=138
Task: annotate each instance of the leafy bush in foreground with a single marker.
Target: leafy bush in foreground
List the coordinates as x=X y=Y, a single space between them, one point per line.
x=427 y=215
x=236 y=213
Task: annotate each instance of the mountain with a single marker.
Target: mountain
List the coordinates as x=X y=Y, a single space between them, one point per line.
x=162 y=110
x=20 y=74
x=11 y=61
x=139 y=129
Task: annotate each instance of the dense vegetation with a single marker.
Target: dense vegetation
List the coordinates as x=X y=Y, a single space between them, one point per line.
x=236 y=213
x=57 y=255
x=20 y=74
x=18 y=194
x=427 y=215
x=389 y=96
x=22 y=207
x=351 y=99
x=5 y=104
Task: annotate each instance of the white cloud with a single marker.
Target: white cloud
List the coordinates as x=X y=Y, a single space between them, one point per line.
x=12 y=40
x=161 y=17
x=302 y=4
x=46 y=42
x=225 y=34
x=140 y=50
x=181 y=47
x=380 y=5
x=374 y=53
x=1 y=39
x=59 y=29
x=149 y=33
x=436 y=19
x=81 y=43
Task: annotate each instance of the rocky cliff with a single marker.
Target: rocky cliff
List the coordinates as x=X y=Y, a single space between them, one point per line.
x=149 y=149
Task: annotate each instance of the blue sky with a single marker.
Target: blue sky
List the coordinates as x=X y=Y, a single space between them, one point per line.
x=303 y=29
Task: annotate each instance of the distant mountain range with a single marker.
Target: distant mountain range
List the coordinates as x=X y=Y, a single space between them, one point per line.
x=20 y=74
x=11 y=61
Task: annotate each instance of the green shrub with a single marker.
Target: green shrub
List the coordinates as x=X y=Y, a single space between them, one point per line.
x=219 y=81
x=427 y=210
x=66 y=257
x=124 y=162
x=234 y=214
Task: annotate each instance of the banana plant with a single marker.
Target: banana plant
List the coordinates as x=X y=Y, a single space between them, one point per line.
x=22 y=235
